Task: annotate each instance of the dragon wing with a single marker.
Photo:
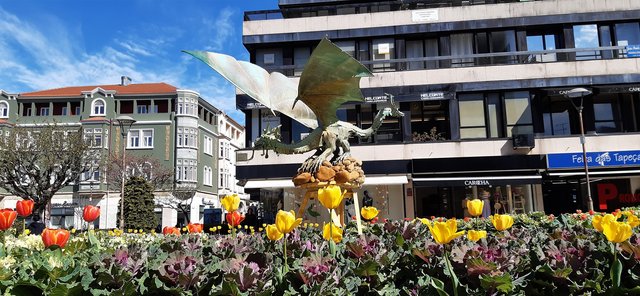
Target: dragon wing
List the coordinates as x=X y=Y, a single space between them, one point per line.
x=330 y=78
x=275 y=91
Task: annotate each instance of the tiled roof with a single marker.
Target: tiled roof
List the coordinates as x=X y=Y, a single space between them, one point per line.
x=131 y=89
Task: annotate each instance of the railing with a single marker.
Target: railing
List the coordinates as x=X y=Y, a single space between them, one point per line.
x=482 y=59
x=368 y=7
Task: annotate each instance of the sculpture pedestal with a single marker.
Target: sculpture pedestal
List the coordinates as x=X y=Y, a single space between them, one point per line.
x=311 y=192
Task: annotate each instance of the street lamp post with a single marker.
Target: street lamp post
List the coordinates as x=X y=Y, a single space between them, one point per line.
x=580 y=93
x=123 y=121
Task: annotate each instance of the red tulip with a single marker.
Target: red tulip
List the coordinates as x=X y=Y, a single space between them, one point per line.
x=167 y=230
x=24 y=207
x=195 y=227
x=7 y=216
x=234 y=218
x=90 y=213
x=57 y=237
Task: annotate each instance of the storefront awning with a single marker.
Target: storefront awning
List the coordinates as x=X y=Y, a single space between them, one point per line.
x=477 y=181
x=287 y=183
x=595 y=173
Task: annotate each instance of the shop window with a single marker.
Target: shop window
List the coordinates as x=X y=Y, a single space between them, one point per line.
x=586 y=36
x=472 y=117
x=607 y=115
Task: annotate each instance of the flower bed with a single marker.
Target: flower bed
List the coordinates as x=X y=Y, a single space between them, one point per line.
x=538 y=255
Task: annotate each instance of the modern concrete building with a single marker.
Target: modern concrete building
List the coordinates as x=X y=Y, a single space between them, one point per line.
x=177 y=127
x=484 y=87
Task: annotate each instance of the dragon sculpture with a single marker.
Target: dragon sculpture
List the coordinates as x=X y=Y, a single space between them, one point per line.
x=330 y=78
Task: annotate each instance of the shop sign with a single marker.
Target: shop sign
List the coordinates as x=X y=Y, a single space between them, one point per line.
x=594 y=159
x=615 y=193
x=477 y=183
x=254 y=105
x=431 y=96
x=633 y=51
x=376 y=99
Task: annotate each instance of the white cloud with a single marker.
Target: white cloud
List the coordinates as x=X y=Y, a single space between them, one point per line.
x=30 y=59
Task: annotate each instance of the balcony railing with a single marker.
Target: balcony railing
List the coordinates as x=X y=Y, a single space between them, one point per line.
x=368 y=7
x=475 y=60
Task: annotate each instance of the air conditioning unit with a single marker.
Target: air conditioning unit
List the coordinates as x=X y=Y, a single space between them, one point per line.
x=523 y=141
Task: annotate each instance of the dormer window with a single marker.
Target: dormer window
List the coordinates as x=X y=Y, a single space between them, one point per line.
x=97 y=107
x=4 y=109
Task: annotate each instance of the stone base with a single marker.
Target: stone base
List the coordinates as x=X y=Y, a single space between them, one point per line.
x=349 y=171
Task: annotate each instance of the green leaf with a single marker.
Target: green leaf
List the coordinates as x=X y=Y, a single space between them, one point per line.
x=368 y=268
x=399 y=240
x=439 y=286
x=501 y=283
x=616 y=273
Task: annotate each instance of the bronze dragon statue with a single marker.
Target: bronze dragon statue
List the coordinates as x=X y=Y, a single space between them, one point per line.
x=330 y=78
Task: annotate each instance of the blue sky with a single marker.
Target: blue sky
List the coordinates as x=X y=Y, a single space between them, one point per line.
x=56 y=43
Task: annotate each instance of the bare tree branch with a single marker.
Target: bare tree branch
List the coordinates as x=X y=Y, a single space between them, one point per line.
x=146 y=166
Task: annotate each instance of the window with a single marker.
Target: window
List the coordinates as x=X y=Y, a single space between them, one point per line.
x=556 y=116
x=44 y=111
x=300 y=58
x=207 y=176
x=586 y=36
x=98 y=107
x=472 y=120
x=542 y=42
x=93 y=137
x=142 y=109
x=187 y=137
x=461 y=44
x=607 y=114
x=518 y=112
x=4 y=109
x=627 y=34
x=64 y=111
x=208 y=145
x=186 y=170
x=383 y=49
x=135 y=137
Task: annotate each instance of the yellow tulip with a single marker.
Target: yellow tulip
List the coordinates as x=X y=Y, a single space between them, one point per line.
x=475 y=207
x=230 y=202
x=617 y=232
x=331 y=231
x=502 y=222
x=368 y=213
x=632 y=219
x=424 y=221
x=286 y=221
x=475 y=236
x=598 y=221
x=273 y=233
x=445 y=232
x=330 y=197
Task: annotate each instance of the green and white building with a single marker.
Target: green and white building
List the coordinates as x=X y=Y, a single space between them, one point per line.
x=177 y=127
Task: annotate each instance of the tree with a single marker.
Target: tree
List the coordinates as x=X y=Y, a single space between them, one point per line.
x=35 y=163
x=181 y=198
x=151 y=169
x=139 y=204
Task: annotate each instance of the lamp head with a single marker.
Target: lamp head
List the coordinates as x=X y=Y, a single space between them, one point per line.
x=124 y=121
x=577 y=93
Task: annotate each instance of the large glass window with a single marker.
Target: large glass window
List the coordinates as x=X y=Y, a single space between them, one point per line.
x=140 y=138
x=461 y=44
x=300 y=58
x=541 y=42
x=415 y=49
x=607 y=114
x=383 y=49
x=556 y=116
x=627 y=34
x=494 y=115
x=504 y=41
x=586 y=36
x=472 y=118
x=518 y=112
x=429 y=120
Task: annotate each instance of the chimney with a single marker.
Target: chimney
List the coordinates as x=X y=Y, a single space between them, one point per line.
x=125 y=80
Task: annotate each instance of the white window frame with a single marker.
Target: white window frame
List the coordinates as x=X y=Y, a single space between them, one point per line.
x=4 y=109
x=94 y=105
x=208 y=145
x=141 y=140
x=42 y=111
x=143 y=108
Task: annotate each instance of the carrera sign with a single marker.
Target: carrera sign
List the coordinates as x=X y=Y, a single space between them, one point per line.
x=614 y=194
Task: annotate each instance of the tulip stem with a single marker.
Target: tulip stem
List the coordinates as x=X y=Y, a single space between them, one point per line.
x=454 y=278
x=285 y=268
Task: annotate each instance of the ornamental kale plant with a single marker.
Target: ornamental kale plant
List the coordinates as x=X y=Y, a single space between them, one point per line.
x=538 y=255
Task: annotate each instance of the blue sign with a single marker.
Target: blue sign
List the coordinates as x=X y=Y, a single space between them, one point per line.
x=633 y=51
x=594 y=159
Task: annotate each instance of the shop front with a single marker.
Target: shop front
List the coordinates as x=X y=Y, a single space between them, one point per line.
x=614 y=179
x=448 y=196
